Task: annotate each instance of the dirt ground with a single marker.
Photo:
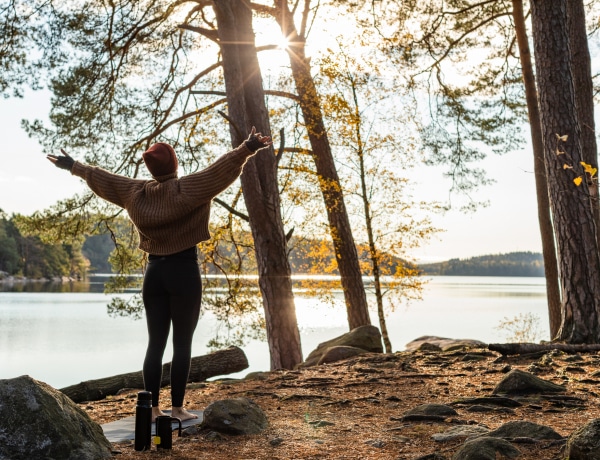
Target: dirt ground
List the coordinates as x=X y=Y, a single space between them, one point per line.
x=353 y=409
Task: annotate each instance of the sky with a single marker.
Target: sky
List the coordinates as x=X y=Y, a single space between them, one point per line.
x=29 y=182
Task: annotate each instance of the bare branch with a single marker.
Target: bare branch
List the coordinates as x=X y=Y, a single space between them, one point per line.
x=453 y=44
x=262 y=8
x=281 y=147
x=231 y=210
x=232 y=123
x=208 y=33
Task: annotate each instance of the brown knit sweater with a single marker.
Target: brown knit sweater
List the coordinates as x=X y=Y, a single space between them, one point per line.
x=170 y=213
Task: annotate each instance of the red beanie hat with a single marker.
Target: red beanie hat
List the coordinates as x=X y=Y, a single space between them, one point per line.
x=160 y=159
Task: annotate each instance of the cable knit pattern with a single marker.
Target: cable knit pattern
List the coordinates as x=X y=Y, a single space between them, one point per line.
x=170 y=213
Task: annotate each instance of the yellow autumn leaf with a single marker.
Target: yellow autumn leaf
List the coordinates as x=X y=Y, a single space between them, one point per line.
x=589 y=169
x=559 y=152
x=578 y=181
x=566 y=166
x=562 y=138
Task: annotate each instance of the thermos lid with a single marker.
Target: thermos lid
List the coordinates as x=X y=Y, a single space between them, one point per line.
x=144 y=396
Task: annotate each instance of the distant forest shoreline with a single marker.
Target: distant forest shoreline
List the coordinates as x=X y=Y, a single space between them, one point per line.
x=526 y=264
x=28 y=258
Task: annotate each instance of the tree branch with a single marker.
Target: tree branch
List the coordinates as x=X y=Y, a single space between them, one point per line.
x=232 y=123
x=231 y=210
x=208 y=33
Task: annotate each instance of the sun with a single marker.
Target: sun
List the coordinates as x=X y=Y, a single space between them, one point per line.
x=273 y=47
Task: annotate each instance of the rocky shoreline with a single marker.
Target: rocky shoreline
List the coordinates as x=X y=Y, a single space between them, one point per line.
x=441 y=399
x=425 y=404
x=5 y=278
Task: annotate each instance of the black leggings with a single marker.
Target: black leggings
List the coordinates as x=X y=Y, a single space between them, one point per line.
x=172 y=292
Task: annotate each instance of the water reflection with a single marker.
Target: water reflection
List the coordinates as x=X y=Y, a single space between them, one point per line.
x=51 y=286
x=61 y=333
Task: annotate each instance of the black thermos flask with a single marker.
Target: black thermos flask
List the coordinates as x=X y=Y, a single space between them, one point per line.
x=143 y=421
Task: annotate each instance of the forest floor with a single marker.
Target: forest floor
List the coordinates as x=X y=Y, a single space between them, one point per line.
x=353 y=409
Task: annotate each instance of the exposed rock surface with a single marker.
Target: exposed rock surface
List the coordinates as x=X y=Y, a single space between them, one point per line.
x=39 y=422
x=521 y=382
x=431 y=412
x=235 y=416
x=524 y=429
x=434 y=343
x=358 y=408
x=337 y=353
x=584 y=443
x=367 y=338
x=486 y=448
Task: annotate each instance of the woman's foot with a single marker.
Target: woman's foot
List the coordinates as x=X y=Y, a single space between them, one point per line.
x=156 y=412
x=182 y=414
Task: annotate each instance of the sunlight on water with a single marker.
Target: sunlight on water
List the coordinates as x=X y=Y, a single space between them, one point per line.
x=63 y=338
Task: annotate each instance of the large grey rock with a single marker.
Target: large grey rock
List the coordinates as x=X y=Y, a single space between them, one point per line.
x=38 y=421
x=433 y=343
x=521 y=382
x=524 y=429
x=235 y=416
x=486 y=448
x=334 y=354
x=584 y=443
x=367 y=338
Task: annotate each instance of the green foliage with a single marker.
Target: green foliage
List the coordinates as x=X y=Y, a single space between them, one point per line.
x=97 y=248
x=512 y=264
x=460 y=58
x=133 y=307
x=9 y=255
x=28 y=255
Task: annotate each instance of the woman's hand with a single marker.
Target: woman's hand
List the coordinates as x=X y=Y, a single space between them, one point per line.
x=63 y=162
x=257 y=141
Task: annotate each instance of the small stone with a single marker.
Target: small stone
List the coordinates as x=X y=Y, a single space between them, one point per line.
x=375 y=443
x=573 y=358
x=190 y=431
x=432 y=412
x=434 y=456
x=213 y=436
x=480 y=408
x=320 y=423
x=276 y=442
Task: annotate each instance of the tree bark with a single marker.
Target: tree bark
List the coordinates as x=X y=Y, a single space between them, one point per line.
x=339 y=224
x=581 y=68
x=246 y=106
x=539 y=168
x=222 y=362
x=573 y=218
x=525 y=348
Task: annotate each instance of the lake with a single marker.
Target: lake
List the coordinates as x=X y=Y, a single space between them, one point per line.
x=63 y=338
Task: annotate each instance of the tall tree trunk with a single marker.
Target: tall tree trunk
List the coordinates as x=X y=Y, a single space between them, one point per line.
x=339 y=224
x=584 y=95
x=574 y=226
x=246 y=105
x=539 y=168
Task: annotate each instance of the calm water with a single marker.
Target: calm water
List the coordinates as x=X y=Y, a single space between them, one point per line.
x=63 y=338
